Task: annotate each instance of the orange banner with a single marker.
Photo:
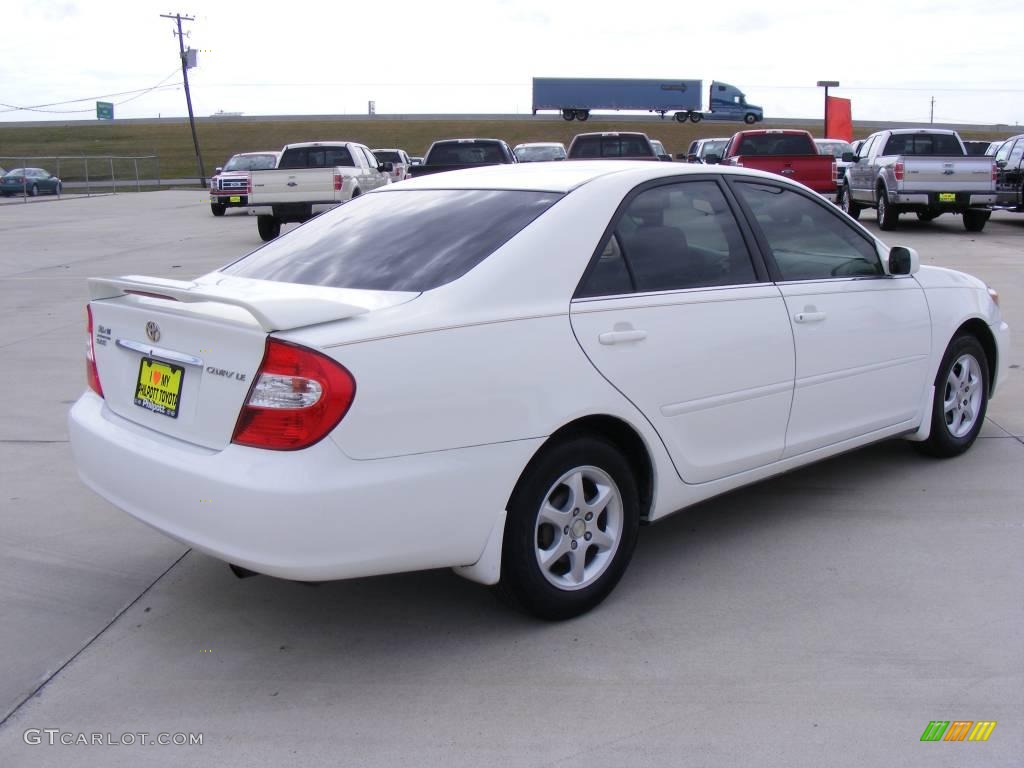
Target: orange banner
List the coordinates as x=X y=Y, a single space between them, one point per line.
x=839 y=124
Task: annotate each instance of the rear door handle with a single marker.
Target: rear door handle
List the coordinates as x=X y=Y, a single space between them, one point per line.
x=809 y=317
x=621 y=337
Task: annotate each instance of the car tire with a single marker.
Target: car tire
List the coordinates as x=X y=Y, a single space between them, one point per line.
x=961 y=399
x=571 y=528
x=696 y=117
x=846 y=203
x=975 y=220
x=749 y=119
x=34 y=192
x=568 y=115
x=888 y=216
x=218 y=209
x=927 y=216
x=681 y=117
x=269 y=227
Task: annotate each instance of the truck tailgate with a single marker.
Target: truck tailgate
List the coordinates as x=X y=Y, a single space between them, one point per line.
x=295 y=185
x=947 y=174
x=814 y=171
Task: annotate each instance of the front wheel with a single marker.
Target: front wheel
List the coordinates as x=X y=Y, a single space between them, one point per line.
x=696 y=117
x=269 y=227
x=571 y=528
x=218 y=209
x=975 y=220
x=849 y=207
x=34 y=191
x=887 y=215
x=961 y=399
x=749 y=118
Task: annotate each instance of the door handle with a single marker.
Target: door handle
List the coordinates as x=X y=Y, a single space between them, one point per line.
x=809 y=317
x=787 y=171
x=621 y=337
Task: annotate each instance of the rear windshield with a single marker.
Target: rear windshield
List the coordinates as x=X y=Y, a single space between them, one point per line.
x=387 y=157
x=714 y=147
x=251 y=163
x=934 y=144
x=316 y=157
x=539 y=154
x=466 y=153
x=610 y=146
x=776 y=144
x=411 y=240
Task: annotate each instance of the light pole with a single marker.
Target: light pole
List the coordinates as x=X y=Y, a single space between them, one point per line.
x=826 y=84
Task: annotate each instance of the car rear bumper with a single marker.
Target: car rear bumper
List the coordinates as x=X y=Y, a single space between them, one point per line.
x=931 y=200
x=311 y=515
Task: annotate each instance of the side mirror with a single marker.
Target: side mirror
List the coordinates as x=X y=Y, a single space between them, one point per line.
x=1001 y=163
x=903 y=260
x=218 y=169
x=848 y=157
x=712 y=159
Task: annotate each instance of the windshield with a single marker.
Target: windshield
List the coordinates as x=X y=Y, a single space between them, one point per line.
x=251 y=163
x=412 y=240
x=16 y=172
x=385 y=156
x=538 y=154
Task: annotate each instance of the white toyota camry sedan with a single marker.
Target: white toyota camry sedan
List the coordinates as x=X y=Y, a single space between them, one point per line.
x=505 y=370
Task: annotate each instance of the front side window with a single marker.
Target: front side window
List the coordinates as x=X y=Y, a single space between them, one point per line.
x=672 y=237
x=1015 y=154
x=808 y=241
x=411 y=240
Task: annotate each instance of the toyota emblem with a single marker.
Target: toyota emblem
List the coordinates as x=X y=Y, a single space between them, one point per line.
x=153 y=331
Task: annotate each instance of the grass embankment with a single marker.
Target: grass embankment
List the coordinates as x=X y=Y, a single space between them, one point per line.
x=172 y=142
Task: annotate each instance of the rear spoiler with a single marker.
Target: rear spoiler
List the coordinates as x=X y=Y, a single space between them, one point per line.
x=275 y=306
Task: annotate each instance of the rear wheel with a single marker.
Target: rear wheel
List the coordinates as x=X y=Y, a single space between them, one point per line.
x=217 y=209
x=568 y=114
x=34 y=191
x=975 y=220
x=681 y=116
x=887 y=215
x=696 y=117
x=572 y=525
x=268 y=226
x=961 y=399
x=750 y=118
x=582 y=115
x=850 y=208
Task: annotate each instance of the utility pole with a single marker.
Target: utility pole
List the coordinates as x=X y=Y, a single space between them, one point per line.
x=931 y=118
x=188 y=97
x=826 y=84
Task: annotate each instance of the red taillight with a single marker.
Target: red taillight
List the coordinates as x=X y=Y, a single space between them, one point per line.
x=298 y=397
x=338 y=179
x=995 y=173
x=898 y=171
x=91 y=374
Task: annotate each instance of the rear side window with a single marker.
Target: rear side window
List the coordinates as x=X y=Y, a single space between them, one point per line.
x=934 y=144
x=388 y=157
x=412 y=240
x=315 y=157
x=610 y=146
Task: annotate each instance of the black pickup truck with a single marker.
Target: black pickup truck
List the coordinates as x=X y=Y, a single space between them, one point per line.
x=456 y=154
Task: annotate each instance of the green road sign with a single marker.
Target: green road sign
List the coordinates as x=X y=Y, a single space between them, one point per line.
x=104 y=110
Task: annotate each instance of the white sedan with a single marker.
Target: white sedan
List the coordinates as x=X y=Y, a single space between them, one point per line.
x=521 y=366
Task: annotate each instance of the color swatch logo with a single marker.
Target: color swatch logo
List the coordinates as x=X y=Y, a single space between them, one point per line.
x=958 y=730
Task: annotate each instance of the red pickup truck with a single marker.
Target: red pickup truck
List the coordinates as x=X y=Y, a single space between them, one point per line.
x=792 y=154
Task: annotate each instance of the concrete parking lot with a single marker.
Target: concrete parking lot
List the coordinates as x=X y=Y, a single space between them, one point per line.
x=819 y=619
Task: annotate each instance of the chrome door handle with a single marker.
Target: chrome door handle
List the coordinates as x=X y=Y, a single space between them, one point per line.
x=788 y=171
x=809 y=317
x=621 y=337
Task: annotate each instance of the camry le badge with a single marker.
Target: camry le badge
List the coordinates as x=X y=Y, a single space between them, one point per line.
x=153 y=331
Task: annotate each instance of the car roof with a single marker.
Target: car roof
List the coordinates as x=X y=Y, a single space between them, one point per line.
x=609 y=133
x=561 y=177
x=387 y=149
x=902 y=131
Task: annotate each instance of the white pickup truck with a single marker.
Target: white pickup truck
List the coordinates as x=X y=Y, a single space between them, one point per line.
x=311 y=178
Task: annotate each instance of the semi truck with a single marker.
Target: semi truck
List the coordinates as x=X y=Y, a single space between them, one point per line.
x=576 y=97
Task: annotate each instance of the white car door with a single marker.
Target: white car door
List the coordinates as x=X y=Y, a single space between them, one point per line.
x=862 y=338
x=674 y=313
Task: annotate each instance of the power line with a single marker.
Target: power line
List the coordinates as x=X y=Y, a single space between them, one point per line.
x=139 y=91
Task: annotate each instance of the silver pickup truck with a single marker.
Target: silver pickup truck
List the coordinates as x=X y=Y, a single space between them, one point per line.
x=920 y=170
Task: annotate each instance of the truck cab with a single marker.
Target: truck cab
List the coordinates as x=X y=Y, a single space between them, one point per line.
x=727 y=102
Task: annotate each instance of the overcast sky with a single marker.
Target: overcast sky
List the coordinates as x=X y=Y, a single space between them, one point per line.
x=478 y=56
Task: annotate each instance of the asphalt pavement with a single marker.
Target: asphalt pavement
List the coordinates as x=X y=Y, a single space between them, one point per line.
x=822 y=618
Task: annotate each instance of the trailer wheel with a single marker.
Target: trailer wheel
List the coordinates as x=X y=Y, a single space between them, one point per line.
x=582 y=115
x=750 y=118
x=696 y=117
x=682 y=116
x=568 y=114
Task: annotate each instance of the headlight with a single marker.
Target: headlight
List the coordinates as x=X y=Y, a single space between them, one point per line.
x=994 y=294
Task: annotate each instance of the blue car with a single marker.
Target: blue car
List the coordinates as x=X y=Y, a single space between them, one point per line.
x=29 y=181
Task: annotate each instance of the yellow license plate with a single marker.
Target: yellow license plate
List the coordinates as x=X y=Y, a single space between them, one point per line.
x=235 y=199
x=159 y=387
x=947 y=197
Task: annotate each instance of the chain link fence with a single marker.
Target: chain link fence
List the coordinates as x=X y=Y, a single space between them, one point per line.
x=34 y=177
